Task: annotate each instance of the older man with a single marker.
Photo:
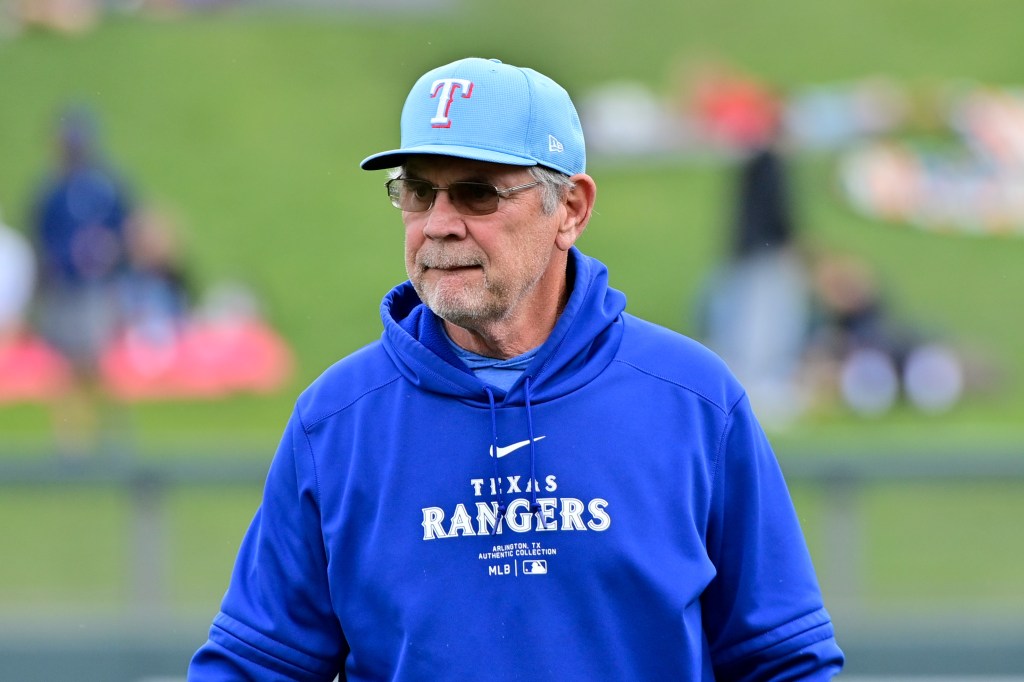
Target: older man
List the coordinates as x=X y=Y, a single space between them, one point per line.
x=519 y=480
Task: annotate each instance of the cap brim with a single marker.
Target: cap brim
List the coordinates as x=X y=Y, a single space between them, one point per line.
x=396 y=157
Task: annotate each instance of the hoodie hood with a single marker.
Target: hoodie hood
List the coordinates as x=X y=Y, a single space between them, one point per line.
x=583 y=342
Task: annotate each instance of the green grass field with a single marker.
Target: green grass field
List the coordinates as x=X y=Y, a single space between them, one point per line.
x=251 y=127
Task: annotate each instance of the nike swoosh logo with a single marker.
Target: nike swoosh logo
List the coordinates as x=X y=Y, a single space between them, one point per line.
x=509 y=449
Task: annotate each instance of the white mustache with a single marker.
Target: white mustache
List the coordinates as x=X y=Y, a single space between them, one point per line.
x=445 y=261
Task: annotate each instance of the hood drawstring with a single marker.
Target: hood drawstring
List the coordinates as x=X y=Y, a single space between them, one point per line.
x=534 y=505
x=502 y=507
x=533 y=484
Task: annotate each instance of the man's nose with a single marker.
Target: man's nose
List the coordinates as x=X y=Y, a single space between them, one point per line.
x=442 y=219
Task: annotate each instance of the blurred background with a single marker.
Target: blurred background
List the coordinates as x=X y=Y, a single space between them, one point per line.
x=830 y=195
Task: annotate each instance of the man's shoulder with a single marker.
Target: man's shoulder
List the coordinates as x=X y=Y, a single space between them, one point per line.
x=346 y=381
x=671 y=356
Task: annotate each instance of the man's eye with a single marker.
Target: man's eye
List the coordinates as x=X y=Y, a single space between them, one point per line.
x=477 y=192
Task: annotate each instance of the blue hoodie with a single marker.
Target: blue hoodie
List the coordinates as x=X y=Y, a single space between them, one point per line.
x=647 y=531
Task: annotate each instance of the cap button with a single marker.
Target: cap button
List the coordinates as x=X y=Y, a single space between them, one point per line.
x=496 y=61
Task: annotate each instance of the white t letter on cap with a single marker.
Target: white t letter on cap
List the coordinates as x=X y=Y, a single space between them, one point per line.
x=444 y=90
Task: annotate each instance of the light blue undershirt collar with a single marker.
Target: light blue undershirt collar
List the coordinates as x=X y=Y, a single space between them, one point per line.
x=494 y=371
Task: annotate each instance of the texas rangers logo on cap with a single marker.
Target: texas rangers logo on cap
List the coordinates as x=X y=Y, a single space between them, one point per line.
x=444 y=90
x=485 y=110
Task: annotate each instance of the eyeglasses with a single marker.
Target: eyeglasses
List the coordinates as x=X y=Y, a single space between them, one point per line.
x=468 y=198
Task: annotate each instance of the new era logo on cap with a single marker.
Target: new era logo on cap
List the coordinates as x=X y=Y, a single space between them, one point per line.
x=485 y=110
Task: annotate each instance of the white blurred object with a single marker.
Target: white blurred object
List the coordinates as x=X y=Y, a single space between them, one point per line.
x=228 y=300
x=627 y=118
x=17 y=277
x=869 y=382
x=933 y=378
x=827 y=117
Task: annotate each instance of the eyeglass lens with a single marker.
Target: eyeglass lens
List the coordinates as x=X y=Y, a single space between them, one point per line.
x=474 y=198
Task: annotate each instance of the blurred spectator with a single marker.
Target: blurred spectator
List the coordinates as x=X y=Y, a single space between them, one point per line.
x=114 y=301
x=854 y=352
x=756 y=308
x=155 y=292
x=861 y=354
x=764 y=220
x=79 y=224
x=850 y=311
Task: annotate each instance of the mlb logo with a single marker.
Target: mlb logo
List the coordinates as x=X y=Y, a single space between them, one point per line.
x=535 y=567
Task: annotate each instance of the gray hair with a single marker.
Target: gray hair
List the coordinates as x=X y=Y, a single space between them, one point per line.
x=554 y=184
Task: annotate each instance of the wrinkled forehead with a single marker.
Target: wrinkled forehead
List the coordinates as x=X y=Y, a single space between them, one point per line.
x=432 y=167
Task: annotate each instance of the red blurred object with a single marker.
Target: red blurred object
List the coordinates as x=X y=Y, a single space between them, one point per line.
x=735 y=109
x=31 y=371
x=206 y=360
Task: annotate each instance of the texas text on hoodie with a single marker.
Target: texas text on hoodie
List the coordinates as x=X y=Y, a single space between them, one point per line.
x=647 y=531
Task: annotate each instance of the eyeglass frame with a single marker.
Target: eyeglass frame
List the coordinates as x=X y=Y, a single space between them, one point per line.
x=500 y=193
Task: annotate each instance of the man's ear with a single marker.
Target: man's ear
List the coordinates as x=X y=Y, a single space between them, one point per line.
x=579 y=205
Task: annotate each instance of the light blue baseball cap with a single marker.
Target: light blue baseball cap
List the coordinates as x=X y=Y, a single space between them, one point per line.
x=486 y=110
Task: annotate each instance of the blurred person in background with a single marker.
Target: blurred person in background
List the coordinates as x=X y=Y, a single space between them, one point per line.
x=155 y=296
x=860 y=352
x=755 y=309
x=519 y=479
x=80 y=224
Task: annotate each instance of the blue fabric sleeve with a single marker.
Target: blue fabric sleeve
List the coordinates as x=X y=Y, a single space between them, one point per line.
x=276 y=621
x=763 y=613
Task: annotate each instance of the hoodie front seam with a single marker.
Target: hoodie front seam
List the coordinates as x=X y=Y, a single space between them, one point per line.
x=692 y=390
x=350 y=403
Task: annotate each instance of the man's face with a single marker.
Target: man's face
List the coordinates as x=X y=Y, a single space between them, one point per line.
x=474 y=270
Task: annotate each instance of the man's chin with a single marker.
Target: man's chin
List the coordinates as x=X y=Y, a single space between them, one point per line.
x=456 y=312
x=456 y=309
x=457 y=301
